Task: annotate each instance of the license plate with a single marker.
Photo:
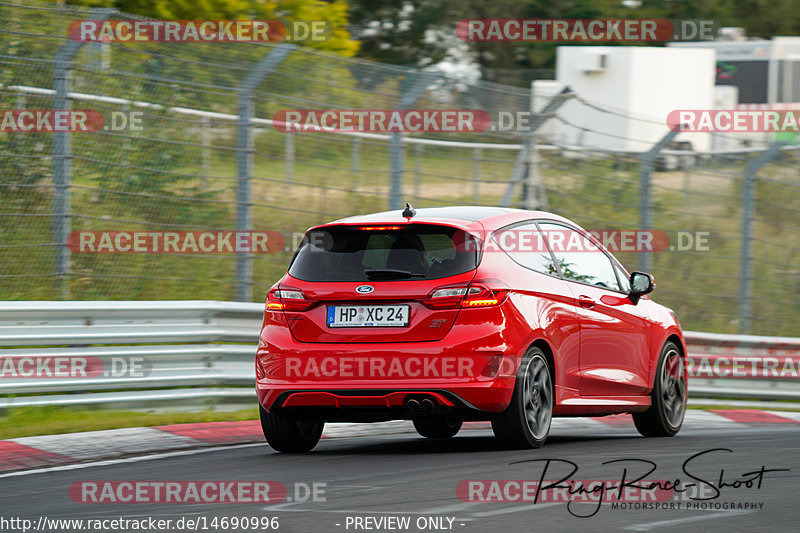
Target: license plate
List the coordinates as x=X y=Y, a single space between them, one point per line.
x=359 y=316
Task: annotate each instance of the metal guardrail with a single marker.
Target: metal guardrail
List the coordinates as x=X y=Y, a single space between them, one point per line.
x=136 y=352
x=743 y=366
x=170 y=352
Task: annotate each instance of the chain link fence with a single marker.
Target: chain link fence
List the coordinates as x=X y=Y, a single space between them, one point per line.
x=208 y=157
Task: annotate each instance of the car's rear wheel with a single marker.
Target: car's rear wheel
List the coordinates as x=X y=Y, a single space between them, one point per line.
x=288 y=433
x=668 y=399
x=438 y=426
x=526 y=421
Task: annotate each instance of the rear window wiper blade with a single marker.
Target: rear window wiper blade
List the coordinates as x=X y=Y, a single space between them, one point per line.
x=376 y=273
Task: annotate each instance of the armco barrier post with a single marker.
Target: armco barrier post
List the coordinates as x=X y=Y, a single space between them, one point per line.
x=646 y=163
x=62 y=157
x=746 y=252
x=244 y=160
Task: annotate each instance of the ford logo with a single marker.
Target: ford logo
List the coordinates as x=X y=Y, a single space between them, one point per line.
x=365 y=289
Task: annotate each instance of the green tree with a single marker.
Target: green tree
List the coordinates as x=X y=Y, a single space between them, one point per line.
x=334 y=13
x=411 y=32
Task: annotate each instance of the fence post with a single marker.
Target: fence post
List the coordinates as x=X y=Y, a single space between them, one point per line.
x=355 y=164
x=396 y=172
x=646 y=162
x=244 y=161
x=289 y=158
x=205 y=136
x=521 y=170
x=423 y=80
x=62 y=157
x=687 y=190
x=476 y=175
x=746 y=258
x=534 y=195
x=419 y=151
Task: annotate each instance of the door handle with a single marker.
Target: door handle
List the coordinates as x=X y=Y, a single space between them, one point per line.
x=585 y=301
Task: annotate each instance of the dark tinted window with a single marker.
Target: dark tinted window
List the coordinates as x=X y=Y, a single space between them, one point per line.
x=351 y=253
x=579 y=258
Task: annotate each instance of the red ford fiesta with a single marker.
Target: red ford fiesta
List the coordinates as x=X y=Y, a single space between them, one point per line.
x=443 y=315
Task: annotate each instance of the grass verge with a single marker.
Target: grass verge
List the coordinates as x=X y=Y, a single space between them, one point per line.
x=34 y=421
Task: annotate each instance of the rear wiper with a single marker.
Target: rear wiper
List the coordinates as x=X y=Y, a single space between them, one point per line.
x=388 y=273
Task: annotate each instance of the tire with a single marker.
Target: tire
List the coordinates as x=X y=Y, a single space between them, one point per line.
x=285 y=432
x=664 y=418
x=526 y=421
x=437 y=427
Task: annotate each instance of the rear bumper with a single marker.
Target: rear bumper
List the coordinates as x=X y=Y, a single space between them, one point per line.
x=383 y=376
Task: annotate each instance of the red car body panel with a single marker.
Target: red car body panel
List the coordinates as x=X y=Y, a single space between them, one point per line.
x=604 y=347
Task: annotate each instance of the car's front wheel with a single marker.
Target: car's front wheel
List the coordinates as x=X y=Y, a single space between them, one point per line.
x=286 y=432
x=437 y=427
x=668 y=398
x=526 y=421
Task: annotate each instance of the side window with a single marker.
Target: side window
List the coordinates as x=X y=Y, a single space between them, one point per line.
x=579 y=259
x=525 y=245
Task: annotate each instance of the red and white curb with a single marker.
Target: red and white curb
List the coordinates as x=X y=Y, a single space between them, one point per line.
x=49 y=450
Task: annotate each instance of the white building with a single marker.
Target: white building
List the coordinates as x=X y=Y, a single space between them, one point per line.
x=631 y=91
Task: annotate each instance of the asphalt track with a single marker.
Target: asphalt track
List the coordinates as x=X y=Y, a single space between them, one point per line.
x=407 y=476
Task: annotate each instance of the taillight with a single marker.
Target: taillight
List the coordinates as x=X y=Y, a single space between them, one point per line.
x=288 y=299
x=465 y=297
x=445 y=297
x=486 y=297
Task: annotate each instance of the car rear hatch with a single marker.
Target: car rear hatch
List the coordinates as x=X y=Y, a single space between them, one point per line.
x=377 y=283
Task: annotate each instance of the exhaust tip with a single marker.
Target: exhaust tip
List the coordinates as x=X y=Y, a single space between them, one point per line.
x=427 y=404
x=412 y=404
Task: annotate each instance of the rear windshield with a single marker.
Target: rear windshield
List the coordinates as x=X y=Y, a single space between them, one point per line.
x=356 y=253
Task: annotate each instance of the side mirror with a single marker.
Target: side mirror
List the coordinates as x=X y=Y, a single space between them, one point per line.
x=641 y=283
